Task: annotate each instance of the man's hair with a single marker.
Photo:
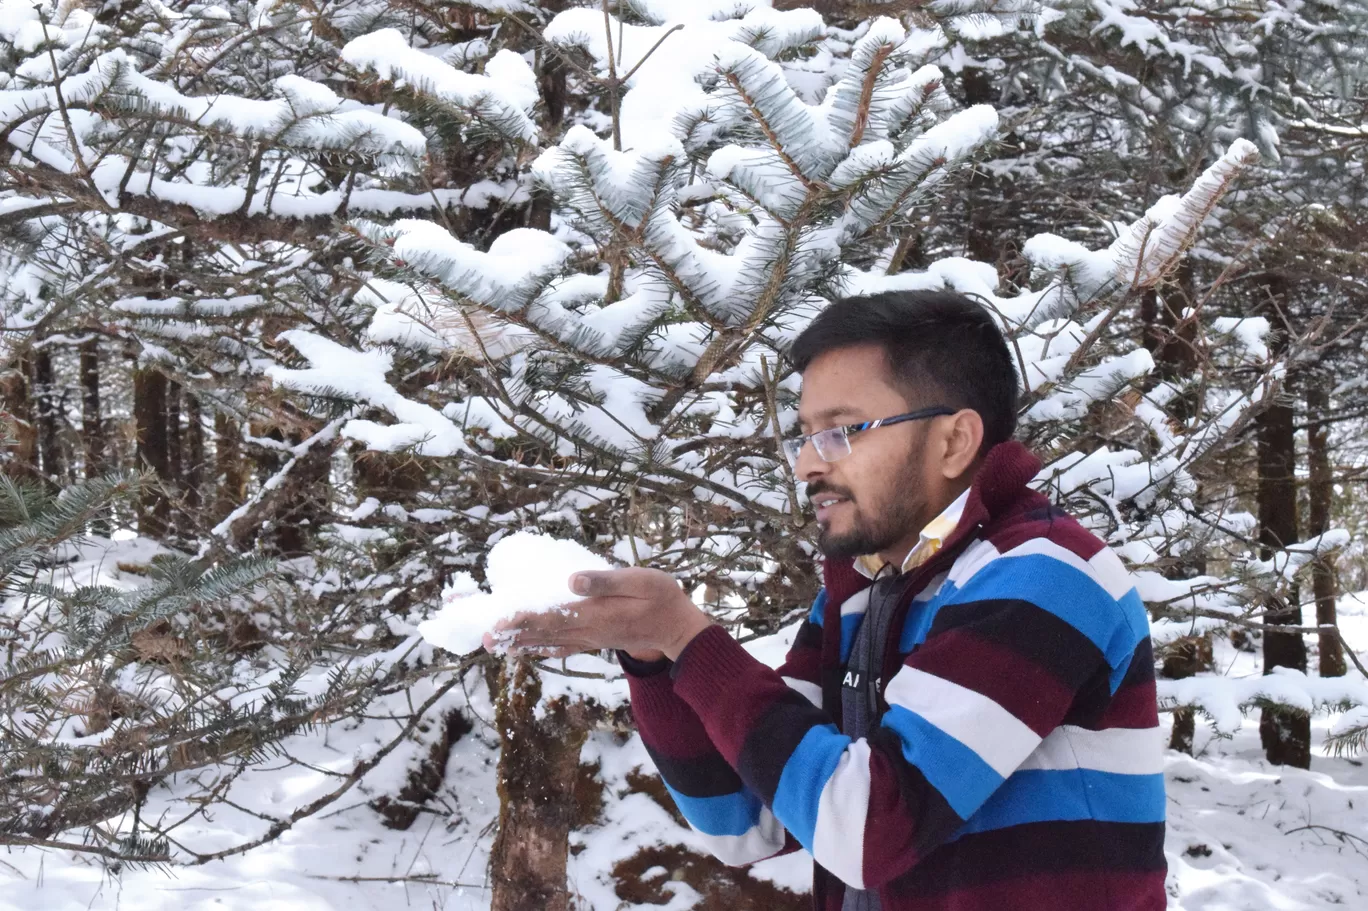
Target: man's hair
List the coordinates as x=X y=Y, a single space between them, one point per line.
x=942 y=348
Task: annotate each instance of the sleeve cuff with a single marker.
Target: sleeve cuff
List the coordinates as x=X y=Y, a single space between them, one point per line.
x=711 y=661
x=633 y=667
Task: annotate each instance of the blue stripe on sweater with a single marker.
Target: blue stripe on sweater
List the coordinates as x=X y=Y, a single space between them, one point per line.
x=1041 y=795
x=920 y=616
x=805 y=773
x=960 y=774
x=1115 y=627
x=726 y=814
x=850 y=626
x=818 y=608
x=1133 y=609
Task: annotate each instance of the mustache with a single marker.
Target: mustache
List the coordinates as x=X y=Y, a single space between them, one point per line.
x=819 y=488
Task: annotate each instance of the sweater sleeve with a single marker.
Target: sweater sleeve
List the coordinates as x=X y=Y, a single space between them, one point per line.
x=1007 y=652
x=736 y=825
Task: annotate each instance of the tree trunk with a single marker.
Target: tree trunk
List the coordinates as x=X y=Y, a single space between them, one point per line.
x=229 y=468
x=551 y=79
x=1321 y=488
x=388 y=476
x=983 y=238
x=1286 y=734
x=19 y=433
x=1171 y=340
x=49 y=418
x=1187 y=657
x=175 y=454
x=301 y=502
x=149 y=415
x=538 y=767
x=286 y=519
x=92 y=422
x=194 y=458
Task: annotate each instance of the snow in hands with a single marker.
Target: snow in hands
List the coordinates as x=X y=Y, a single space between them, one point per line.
x=527 y=573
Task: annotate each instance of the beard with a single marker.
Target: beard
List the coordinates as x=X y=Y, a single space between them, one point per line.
x=870 y=534
x=899 y=516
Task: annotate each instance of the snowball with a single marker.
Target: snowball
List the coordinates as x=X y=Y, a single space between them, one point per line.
x=527 y=573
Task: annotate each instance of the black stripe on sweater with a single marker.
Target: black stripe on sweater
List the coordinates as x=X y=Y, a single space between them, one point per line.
x=708 y=775
x=772 y=740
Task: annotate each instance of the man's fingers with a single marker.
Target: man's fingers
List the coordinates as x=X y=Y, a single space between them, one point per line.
x=555 y=652
x=631 y=582
x=557 y=619
x=532 y=642
x=597 y=584
x=497 y=643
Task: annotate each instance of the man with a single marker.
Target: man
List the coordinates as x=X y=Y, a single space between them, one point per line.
x=967 y=719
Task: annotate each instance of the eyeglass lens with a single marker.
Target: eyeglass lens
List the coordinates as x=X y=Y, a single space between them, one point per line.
x=831 y=445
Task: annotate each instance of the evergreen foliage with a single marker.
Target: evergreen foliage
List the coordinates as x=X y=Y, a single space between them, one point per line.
x=350 y=291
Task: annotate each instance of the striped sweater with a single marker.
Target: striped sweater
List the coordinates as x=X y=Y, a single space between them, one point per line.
x=1017 y=759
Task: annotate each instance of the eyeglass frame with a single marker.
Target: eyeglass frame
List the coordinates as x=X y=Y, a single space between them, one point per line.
x=793 y=446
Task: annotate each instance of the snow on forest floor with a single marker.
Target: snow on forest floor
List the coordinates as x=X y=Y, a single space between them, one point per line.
x=1242 y=834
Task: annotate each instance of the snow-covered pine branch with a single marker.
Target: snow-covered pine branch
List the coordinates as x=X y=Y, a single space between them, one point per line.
x=497 y=100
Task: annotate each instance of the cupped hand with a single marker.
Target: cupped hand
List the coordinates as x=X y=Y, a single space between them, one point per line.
x=641 y=611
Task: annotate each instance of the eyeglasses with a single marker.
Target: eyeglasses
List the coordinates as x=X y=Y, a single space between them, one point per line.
x=834 y=444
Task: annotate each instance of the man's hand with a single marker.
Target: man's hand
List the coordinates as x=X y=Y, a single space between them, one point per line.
x=643 y=612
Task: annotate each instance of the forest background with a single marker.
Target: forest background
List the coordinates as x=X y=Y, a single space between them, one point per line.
x=307 y=304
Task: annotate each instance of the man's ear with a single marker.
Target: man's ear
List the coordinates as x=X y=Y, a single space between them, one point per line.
x=963 y=435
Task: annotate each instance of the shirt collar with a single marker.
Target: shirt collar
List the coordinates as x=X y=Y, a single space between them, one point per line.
x=929 y=542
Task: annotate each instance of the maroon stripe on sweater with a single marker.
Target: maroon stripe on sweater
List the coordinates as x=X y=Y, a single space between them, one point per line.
x=841 y=580
x=1026 y=688
x=1075 y=891
x=734 y=692
x=1082 y=846
x=804 y=660
x=665 y=722
x=1133 y=707
x=1058 y=528
x=906 y=817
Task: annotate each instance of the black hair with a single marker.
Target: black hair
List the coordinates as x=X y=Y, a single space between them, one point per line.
x=942 y=348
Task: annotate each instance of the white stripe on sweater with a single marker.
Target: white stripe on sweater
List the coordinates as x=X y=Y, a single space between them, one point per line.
x=932 y=589
x=1105 y=568
x=975 y=557
x=812 y=691
x=761 y=840
x=1111 y=573
x=857 y=603
x=1123 y=751
x=999 y=738
x=838 y=839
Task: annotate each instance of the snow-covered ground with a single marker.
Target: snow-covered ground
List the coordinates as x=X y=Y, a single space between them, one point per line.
x=1242 y=834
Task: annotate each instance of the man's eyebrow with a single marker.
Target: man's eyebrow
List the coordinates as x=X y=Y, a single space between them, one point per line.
x=827 y=414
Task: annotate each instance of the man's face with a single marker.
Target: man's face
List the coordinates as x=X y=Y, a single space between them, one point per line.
x=875 y=500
